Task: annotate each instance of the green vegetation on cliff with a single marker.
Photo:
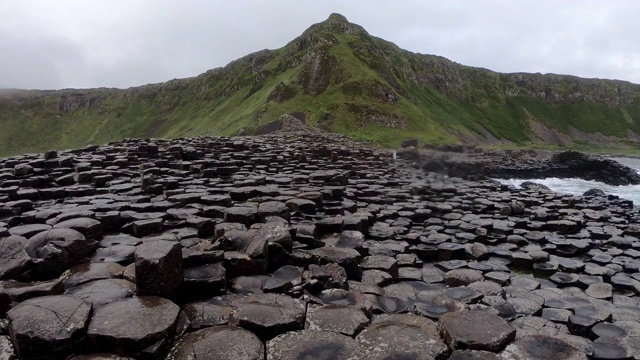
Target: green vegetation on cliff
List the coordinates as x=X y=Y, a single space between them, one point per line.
x=343 y=80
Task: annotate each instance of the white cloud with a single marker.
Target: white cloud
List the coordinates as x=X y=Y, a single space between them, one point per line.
x=80 y=43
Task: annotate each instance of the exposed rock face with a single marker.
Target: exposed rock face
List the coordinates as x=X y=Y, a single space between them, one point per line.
x=372 y=258
x=158 y=268
x=528 y=165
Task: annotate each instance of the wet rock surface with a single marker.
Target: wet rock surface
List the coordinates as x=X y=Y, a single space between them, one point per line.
x=288 y=246
x=475 y=163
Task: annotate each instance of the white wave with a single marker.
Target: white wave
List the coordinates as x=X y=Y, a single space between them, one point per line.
x=579 y=186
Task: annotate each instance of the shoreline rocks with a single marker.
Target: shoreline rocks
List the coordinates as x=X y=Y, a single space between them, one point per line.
x=523 y=164
x=309 y=245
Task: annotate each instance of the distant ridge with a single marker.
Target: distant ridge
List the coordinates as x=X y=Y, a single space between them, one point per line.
x=343 y=80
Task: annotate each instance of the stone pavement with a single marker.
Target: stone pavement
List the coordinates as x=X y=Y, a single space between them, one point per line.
x=303 y=246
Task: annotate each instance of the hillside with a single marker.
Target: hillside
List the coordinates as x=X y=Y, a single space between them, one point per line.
x=344 y=80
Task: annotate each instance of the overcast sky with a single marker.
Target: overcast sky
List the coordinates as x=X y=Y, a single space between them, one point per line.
x=48 y=44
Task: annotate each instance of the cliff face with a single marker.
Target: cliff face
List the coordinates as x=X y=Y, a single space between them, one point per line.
x=342 y=79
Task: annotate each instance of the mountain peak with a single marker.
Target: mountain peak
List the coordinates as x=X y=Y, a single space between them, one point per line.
x=338 y=23
x=337 y=18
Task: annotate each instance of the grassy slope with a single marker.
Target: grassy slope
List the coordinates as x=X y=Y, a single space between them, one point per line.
x=334 y=73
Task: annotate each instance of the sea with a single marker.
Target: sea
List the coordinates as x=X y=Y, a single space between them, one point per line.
x=578 y=186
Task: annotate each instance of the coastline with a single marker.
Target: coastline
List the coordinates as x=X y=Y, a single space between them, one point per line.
x=292 y=241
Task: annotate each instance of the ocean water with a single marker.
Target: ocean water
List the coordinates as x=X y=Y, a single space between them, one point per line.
x=579 y=186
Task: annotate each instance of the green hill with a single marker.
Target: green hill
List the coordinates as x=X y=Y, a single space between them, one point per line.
x=344 y=80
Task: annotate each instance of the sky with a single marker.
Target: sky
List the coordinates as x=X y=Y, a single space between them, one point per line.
x=47 y=44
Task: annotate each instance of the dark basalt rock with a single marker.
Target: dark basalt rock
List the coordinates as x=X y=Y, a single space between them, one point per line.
x=86 y=272
x=219 y=342
x=476 y=330
x=14 y=260
x=55 y=250
x=101 y=292
x=158 y=267
x=500 y=164
x=48 y=326
x=343 y=319
x=539 y=347
x=207 y=313
x=313 y=344
x=381 y=341
x=268 y=315
x=284 y=233
x=130 y=326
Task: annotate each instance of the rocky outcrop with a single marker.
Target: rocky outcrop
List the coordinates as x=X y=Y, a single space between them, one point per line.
x=477 y=164
x=569 y=164
x=304 y=245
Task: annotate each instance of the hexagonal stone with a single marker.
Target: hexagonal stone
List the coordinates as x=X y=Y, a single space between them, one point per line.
x=476 y=330
x=91 y=228
x=540 y=347
x=556 y=315
x=387 y=264
x=18 y=291
x=419 y=339
x=55 y=250
x=130 y=326
x=14 y=260
x=207 y=313
x=159 y=269
x=86 y=272
x=283 y=279
x=461 y=277
x=434 y=304
x=607 y=330
x=607 y=348
x=345 y=257
x=48 y=326
x=101 y=292
x=487 y=288
x=218 y=342
x=204 y=280
x=28 y=230
x=302 y=205
x=524 y=307
x=268 y=315
x=313 y=344
x=273 y=208
x=343 y=319
x=600 y=290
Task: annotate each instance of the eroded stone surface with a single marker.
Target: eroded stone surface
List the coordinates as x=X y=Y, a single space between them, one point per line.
x=219 y=342
x=476 y=330
x=539 y=347
x=313 y=344
x=381 y=340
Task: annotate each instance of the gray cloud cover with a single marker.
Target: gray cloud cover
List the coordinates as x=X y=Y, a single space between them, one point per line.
x=116 y=43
